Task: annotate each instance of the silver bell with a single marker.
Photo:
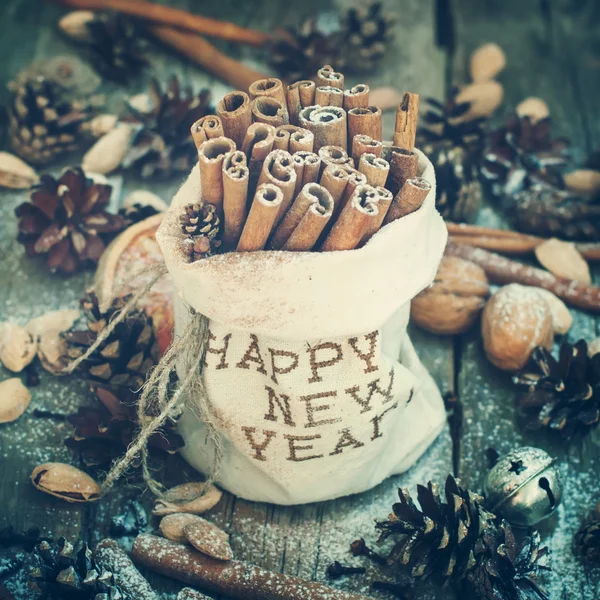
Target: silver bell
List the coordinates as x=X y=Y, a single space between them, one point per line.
x=523 y=486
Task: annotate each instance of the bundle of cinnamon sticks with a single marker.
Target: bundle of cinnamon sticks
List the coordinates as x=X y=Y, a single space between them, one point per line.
x=303 y=167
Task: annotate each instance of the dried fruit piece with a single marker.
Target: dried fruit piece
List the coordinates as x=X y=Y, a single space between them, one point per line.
x=534 y=108
x=65 y=482
x=15 y=173
x=563 y=259
x=17 y=347
x=187 y=498
x=14 y=399
x=207 y=538
x=583 y=181
x=172 y=526
x=487 y=62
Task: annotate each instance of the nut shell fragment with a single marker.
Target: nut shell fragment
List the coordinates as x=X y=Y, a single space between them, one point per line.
x=187 y=498
x=207 y=538
x=17 y=347
x=172 y=526
x=65 y=482
x=15 y=173
x=14 y=399
x=563 y=259
x=487 y=62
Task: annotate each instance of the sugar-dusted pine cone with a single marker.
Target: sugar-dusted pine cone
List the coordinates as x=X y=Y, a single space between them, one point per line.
x=45 y=119
x=356 y=45
x=65 y=220
x=124 y=358
x=202 y=227
x=586 y=543
x=67 y=573
x=162 y=146
x=104 y=432
x=563 y=394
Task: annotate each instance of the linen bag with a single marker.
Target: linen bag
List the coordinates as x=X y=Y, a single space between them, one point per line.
x=312 y=381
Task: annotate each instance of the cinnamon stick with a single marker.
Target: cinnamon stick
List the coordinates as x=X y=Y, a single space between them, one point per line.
x=210 y=160
x=301 y=140
x=365 y=121
x=335 y=179
x=333 y=155
x=236 y=177
x=207 y=56
x=299 y=95
x=403 y=166
x=236 y=116
x=327 y=123
x=307 y=166
x=503 y=270
x=362 y=144
x=261 y=218
x=409 y=199
x=206 y=128
x=355 y=179
x=357 y=96
x=270 y=86
x=327 y=95
x=327 y=76
x=407 y=115
x=278 y=169
x=354 y=220
x=266 y=109
x=175 y=17
x=375 y=169
x=257 y=145
x=233 y=579
x=384 y=201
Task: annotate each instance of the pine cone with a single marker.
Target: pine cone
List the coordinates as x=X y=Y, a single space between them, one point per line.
x=356 y=46
x=562 y=394
x=65 y=220
x=586 y=543
x=124 y=358
x=116 y=46
x=162 y=146
x=64 y=573
x=45 y=120
x=202 y=226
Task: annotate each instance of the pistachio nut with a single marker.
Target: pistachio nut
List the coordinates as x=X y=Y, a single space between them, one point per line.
x=14 y=399
x=17 y=347
x=191 y=498
x=65 y=482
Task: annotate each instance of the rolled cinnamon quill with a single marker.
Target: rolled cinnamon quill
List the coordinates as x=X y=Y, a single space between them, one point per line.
x=261 y=218
x=311 y=193
x=236 y=178
x=403 y=166
x=407 y=116
x=355 y=179
x=266 y=109
x=335 y=179
x=375 y=169
x=326 y=95
x=206 y=128
x=357 y=96
x=307 y=166
x=301 y=140
x=233 y=579
x=409 y=199
x=271 y=86
x=333 y=155
x=210 y=160
x=299 y=95
x=384 y=201
x=258 y=143
x=361 y=144
x=365 y=120
x=354 y=220
x=236 y=115
x=278 y=169
x=327 y=76
x=327 y=123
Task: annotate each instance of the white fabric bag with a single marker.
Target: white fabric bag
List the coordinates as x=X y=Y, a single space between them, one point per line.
x=312 y=380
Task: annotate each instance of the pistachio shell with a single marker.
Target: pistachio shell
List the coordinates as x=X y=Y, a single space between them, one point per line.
x=108 y=152
x=534 y=108
x=65 y=482
x=583 y=181
x=55 y=320
x=207 y=538
x=484 y=98
x=15 y=173
x=145 y=198
x=486 y=62
x=14 y=399
x=17 y=347
x=561 y=317
x=74 y=24
x=187 y=498
x=563 y=259
x=172 y=526
x=102 y=124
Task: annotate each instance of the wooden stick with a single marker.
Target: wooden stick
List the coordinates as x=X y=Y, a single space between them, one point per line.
x=174 y=17
x=375 y=169
x=503 y=270
x=271 y=86
x=327 y=123
x=384 y=201
x=236 y=116
x=365 y=121
x=409 y=199
x=210 y=159
x=327 y=95
x=407 y=116
x=261 y=218
x=236 y=177
x=357 y=96
x=333 y=155
x=206 y=128
x=278 y=169
x=362 y=144
x=307 y=166
x=299 y=95
x=403 y=166
x=207 y=56
x=233 y=578
x=327 y=76
x=354 y=220
x=266 y=109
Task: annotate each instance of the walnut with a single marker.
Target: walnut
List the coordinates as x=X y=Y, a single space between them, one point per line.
x=453 y=303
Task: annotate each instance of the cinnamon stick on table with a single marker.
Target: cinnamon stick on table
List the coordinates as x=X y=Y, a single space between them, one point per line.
x=503 y=270
x=233 y=579
x=236 y=115
x=406 y=121
x=261 y=218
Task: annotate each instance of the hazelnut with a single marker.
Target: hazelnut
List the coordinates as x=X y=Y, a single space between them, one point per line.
x=453 y=303
x=515 y=320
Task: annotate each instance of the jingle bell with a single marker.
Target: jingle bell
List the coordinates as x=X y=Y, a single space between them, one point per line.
x=523 y=487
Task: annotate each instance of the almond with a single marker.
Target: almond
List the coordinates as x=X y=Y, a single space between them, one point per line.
x=563 y=259
x=187 y=498
x=534 y=108
x=14 y=399
x=583 y=181
x=108 y=152
x=487 y=62
x=515 y=320
x=484 y=98
x=65 y=482
x=101 y=124
x=16 y=174
x=207 y=538
x=17 y=347
x=561 y=317
x=172 y=526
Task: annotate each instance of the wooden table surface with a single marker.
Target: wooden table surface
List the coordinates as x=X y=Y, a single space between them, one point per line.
x=552 y=53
